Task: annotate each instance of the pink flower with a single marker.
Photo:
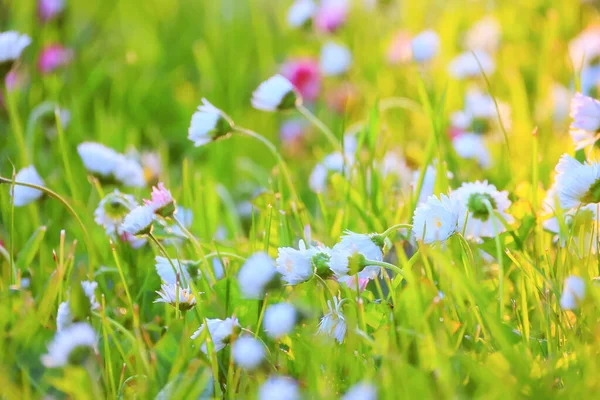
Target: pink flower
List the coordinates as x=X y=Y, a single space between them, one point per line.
x=162 y=201
x=350 y=281
x=331 y=15
x=49 y=9
x=304 y=75
x=400 y=49
x=53 y=57
x=134 y=241
x=342 y=98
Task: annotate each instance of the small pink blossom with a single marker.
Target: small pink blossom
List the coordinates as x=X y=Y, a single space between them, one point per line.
x=304 y=75
x=331 y=15
x=400 y=50
x=53 y=57
x=49 y=9
x=342 y=98
x=162 y=201
x=350 y=281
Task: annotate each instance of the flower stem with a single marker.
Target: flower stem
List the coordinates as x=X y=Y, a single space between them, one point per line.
x=499 y=255
x=386 y=265
x=186 y=232
x=164 y=251
x=394 y=228
x=321 y=126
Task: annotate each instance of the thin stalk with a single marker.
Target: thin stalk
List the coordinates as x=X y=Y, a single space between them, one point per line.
x=394 y=228
x=386 y=265
x=499 y=255
x=186 y=232
x=312 y=118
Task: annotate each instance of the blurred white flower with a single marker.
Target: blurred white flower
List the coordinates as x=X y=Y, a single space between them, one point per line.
x=129 y=172
x=276 y=93
x=573 y=293
x=139 y=221
x=425 y=46
x=333 y=323
x=561 y=100
x=24 y=195
x=220 y=332
x=279 y=388
x=301 y=12
x=164 y=269
x=248 y=352
x=170 y=293
x=577 y=184
x=12 y=44
x=208 y=124
x=297 y=266
x=427 y=186
x=368 y=246
x=473 y=197
x=64 y=317
x=465 y=65
x=112 y=209
x=152 y=165
x=98 y=159
x=331 y=15
x=471 y=146
x=279 y=320
x=256 y=274
x=436 y=219
x=585 y=112
x=484 y=35
x=361 y=391
x=335 y=60
x=585 y=47
x=66 y=346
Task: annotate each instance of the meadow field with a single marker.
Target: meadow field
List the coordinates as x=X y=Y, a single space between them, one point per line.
x=299 y=199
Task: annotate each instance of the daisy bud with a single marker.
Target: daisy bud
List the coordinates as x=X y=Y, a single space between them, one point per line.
x=70 y=346
x=112 y=209
x=173 y=294
x=54 y=57
x=335 y=59
x=573 y=293
x=275 y=94
x=12 y=45
x=220 y=332
x=425 y=46
x=279 y=387
x=257 y=275
x=49 y=9
x=24 y=195
x=436 y=219
x=279 y=320
x=248 y=352
x=139 y=221
x=300 y=13
x=162 y=201
x=208 y=124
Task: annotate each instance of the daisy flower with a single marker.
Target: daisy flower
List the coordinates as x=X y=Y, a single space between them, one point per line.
x=333 y=323
x=465 y=65
x=12 y=45
x=170 y=293
x=279 y=320
x=304 y=74
x=98 y=159
x=162 y=201
x=425 y=46
x=332 y=14
x=473 y=197
x=23 y=195
x=471 y=146
x=577 y=184
x=49 y=9
x=248 y=352
x=436 y=219
x=129 y=172
x=275 y=94
x=297 y=266
x=112 y=209
x=573 y=293
x=220 y=332
x=355 y=248
x=484 y=35
x=361 y=391
x=585 y=47
x=585 y=112
x=279 y=388
x=301 y=12
x=256 y=275
x=208 y=124
x=335 y=59
x=53 y=57
x=68 y=346
x=139 y=221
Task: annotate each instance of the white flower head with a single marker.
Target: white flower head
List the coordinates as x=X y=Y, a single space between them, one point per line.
x=24 y=195
x=465 y=65
x=112 y=209
x=98 y=159
x=297 y=266
x=576 y=183
x=335 y=59
x=256 y=274
x=68 y=345
x=129 y=172
x=365 y=246
x=436 y=219
x=474 y=198
x=275 y=94
x=471 y=146
x=12 y=45
x=361 y=391
x=300 y=13
x=573 y=293
x=585 y=112
x=248 y=352
x=173 y=294
x=64 y=317
x=208 y=124
x=333 y=323
x=425 y=46
x=279 y=320
x=484 y=35
x=279 y=388
x=585 y=48
x=139 y=221
x=220 y=332
x=89 y=288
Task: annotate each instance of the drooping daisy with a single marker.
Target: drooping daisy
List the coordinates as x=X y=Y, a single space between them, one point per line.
x=473 y=197
x=472 y=147
x=333 y=323
x=335 y=60
x=248 y=352
x=573 y=293
x=256 y=275
x=465 y=65
x=436 y=219
x=112 y=209
x=585 y=112
x=361 y=391
x=304 y=74
x=12 y=45
x=170 y=293
x=425 y=46
x=301 y=12
x=98 y=159
x=70 y=346
x=220 y=332
x=576 y=183
x=279 y=388
x=331 y=15
x=53 y=57
x=49 y=9
x=279 y=320
x=484 y=35
x=24 y=195
x=297 y=266
x=139 y=221
x=208 y=124
x=275 y=94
